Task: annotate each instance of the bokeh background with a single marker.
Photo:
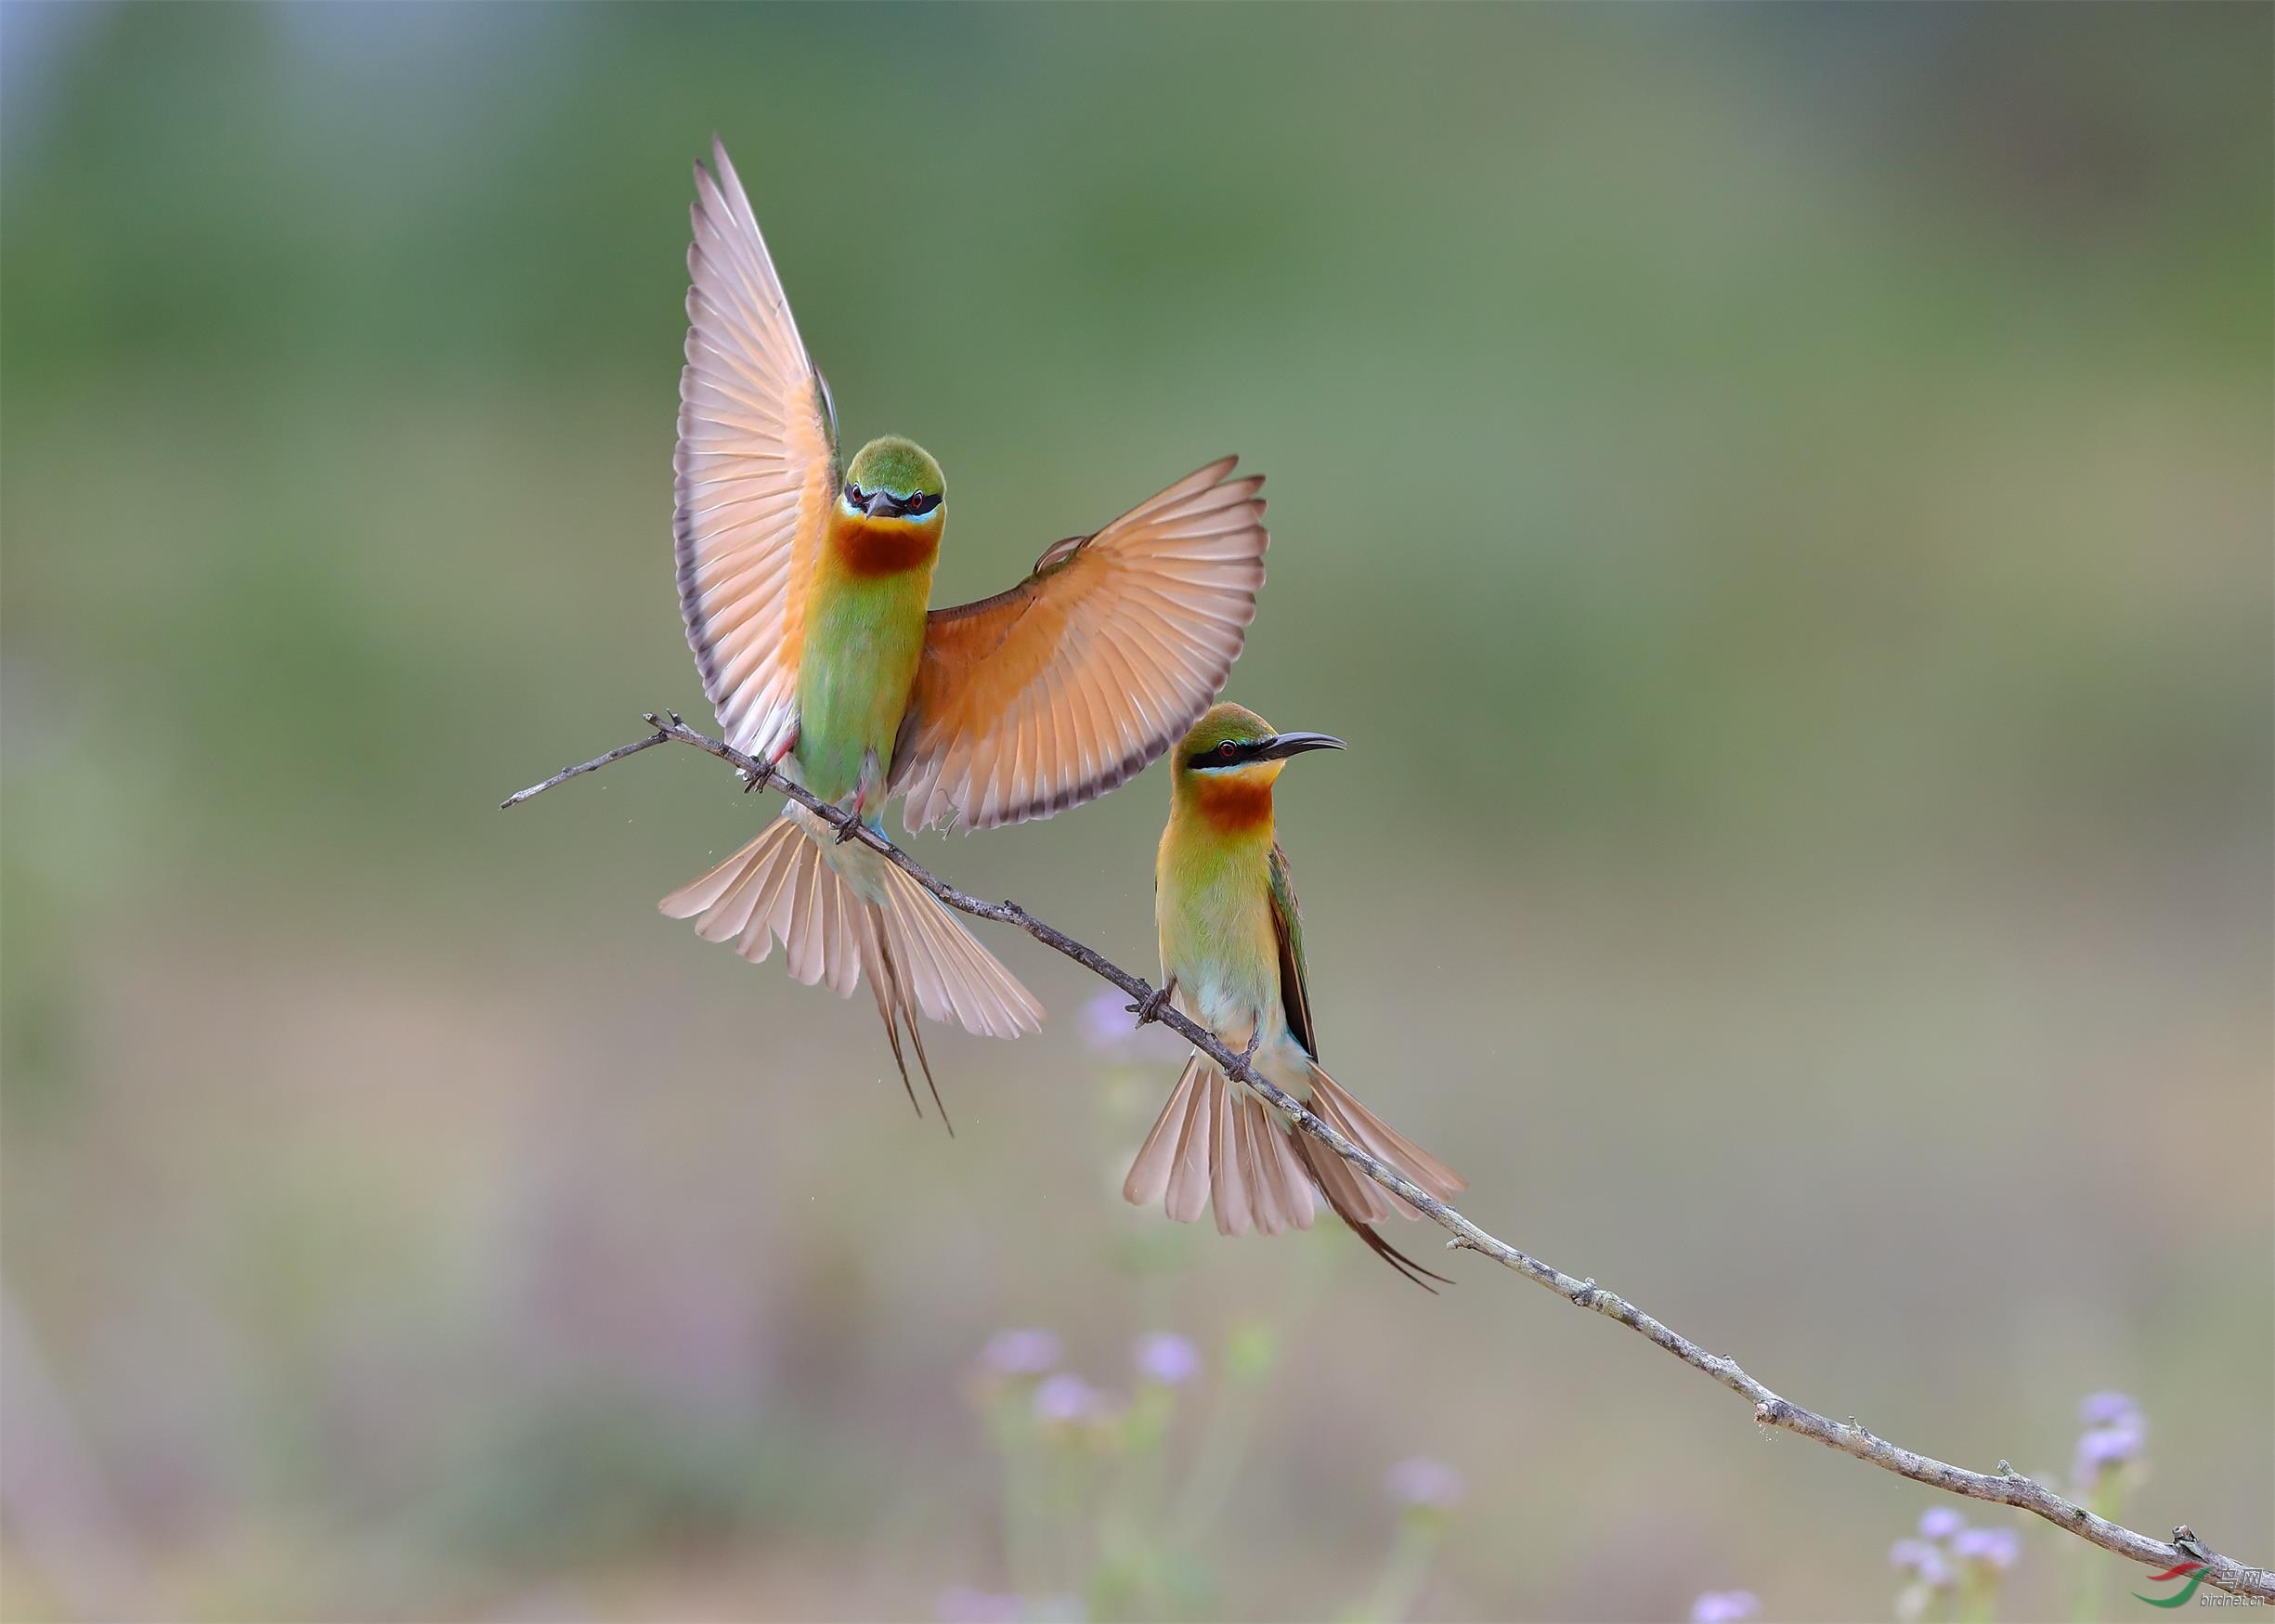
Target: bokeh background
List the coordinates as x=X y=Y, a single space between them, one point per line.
x=1779 y=498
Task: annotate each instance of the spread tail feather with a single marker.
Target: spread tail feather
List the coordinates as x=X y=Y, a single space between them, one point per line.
x=842 y=910
x=1335 y=1177
x=1378 y=1139
x=895 y=1008
x=1217 y=1145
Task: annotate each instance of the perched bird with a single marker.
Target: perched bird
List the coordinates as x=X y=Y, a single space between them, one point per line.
x=1232 y=960
x=803 y=586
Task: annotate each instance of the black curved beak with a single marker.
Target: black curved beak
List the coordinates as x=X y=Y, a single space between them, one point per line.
x=883 y=504
x=1295 y=744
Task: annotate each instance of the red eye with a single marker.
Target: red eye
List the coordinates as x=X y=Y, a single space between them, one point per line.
x=1227 y=750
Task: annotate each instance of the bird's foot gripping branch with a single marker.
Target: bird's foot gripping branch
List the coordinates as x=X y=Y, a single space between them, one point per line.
x=2003 y=1487
x=1149 y=1009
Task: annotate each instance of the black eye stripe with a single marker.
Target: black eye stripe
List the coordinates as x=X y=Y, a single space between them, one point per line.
x=912 y=506
x=1227 y=753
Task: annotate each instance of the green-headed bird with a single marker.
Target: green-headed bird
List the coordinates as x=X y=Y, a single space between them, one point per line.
x=804 y=588
x=1232 y=959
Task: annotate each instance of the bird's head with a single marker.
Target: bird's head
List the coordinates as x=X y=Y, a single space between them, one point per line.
x=893 y=479
x=1232 y=753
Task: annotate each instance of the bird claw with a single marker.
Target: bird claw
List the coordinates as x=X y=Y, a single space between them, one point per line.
x=1154 y=1003
x=761 y=770
x=1248 y=1053
x=846 y=829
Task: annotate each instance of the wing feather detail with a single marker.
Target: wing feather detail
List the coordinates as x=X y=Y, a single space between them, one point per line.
x=1051 y=694
x=756 y=470
x=1288 y=933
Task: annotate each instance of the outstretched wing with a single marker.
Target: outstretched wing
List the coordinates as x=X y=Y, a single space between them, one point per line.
x=756 y=467
x=1288 y=927
x=1039 y=698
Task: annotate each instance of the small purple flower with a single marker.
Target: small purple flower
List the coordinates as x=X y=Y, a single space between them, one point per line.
x=962 y=1604
x=1019 y=1353
x=2105 y=1447
x=1105 y=1021
x=1724 y=1608
x=2113 y=1446
x=1923 y=1559
x=1939 y=1522
x=1166 y=1359
x=1995 y=1547
x=1426 y=1484
x=1110 y=1028
x=2108 y=1410
x=1064 y=1399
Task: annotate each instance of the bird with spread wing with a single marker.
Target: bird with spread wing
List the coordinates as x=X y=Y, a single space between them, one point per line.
x=804 y=586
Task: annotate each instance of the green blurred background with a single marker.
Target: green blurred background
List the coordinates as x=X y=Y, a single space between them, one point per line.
x=1779 y=499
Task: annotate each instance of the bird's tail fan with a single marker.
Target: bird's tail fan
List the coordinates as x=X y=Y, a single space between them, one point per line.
x=1216 y=1144
x=1358 y=1201
x=1353 y=1199
x=842 y=911
x=1377 y=1137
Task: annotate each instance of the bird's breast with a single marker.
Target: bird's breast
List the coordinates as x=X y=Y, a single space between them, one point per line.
x=863 y=639
x=1213 y=910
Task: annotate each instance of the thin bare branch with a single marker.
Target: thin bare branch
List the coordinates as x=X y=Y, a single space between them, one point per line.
x=594 y=765
x=2003 y=1488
